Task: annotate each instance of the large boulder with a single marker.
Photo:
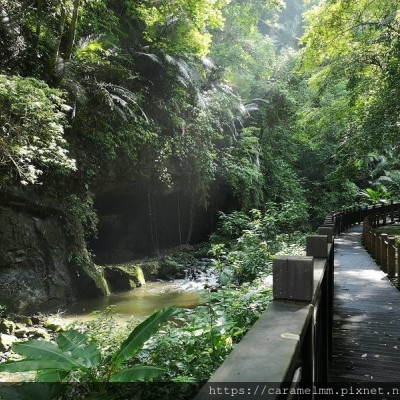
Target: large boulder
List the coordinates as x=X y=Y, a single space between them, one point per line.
x=123 y=277
x=170 y=269
x=150 y=269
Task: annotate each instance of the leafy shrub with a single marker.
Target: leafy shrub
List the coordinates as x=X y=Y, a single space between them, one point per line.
x=75 y=353
x=32 y=116
x=195 y=343
x=379 y=195
x=245 y=243
x=106 y=330
x=231 y=225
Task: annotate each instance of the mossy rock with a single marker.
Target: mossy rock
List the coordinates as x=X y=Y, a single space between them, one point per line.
x=39 y=333
x=93 y=277
x=56 y=328
x=150 y=269
x=24 y=320
x=169 y=269
x=7 y=326
x=124 y=277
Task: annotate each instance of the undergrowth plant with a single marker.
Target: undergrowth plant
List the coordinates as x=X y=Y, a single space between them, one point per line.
x=75 y=357
x=195 y=343
x=245 y=243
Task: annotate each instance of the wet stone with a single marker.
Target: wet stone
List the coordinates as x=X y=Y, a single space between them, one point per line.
x=7 y=326
x=21 y=333
x=6 y=341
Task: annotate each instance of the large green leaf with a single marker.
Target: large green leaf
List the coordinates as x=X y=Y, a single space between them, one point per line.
x=139 y=373
x=50 y=375
x=141 y=334
x=77 y=344
x=42 y=350
x=35 y=365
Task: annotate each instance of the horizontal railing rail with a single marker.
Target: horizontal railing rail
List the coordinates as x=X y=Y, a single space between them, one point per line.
x=290 y=345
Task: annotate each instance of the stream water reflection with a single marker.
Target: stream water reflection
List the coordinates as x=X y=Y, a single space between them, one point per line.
x=140 y=302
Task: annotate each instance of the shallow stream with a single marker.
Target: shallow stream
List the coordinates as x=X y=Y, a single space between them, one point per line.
x=141 y=302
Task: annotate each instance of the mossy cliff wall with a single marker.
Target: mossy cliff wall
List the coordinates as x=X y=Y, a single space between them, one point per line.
x=42 y=265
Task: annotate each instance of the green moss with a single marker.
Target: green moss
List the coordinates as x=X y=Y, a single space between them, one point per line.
x=150 y=269
x=97 y=274
x=140 y=275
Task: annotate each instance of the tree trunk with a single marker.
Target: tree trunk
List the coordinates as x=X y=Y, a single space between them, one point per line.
x=38 y=28
x=192 y=214
x=179 y=220
x=72 y=31
x=60 y=33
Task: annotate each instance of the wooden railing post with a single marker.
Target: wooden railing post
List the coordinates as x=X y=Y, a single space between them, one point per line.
x=370 y=239
x=391 y=212
x=391 y=262
x=367 y=234
x=398 y=264
x=383 y=255
x=373 y=219
x=384 y=214
x=377 y=247
x=364 y=233
x=339 y=225
x=365 y=212
x=372 y=247
x=377 y=219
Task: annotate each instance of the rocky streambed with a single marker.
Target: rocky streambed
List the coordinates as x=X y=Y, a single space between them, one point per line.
x=17 y=328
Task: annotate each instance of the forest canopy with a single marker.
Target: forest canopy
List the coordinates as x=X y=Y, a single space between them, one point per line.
x=265 y=100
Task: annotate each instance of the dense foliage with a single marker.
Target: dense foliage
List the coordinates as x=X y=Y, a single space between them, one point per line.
x=191 y=96
x=352 y=58
x=167 y=88
x=32 y=118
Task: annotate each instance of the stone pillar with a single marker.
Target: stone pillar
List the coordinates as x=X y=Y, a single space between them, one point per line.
x=293 y=278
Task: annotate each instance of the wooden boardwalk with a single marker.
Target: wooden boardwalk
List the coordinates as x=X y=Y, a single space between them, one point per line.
x=366 y=333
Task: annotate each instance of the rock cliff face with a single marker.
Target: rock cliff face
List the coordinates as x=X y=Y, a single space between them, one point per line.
x=41 y=266
x=139 y=217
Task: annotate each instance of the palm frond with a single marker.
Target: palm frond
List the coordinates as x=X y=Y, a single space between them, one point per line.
x=120 y=99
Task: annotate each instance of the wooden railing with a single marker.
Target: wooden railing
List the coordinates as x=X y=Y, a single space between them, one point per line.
x=383 y=247
x=290 y=346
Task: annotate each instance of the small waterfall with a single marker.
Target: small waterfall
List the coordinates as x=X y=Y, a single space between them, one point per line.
x=201 y=275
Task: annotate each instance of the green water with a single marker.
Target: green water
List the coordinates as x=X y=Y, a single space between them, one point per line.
x=140 y=302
